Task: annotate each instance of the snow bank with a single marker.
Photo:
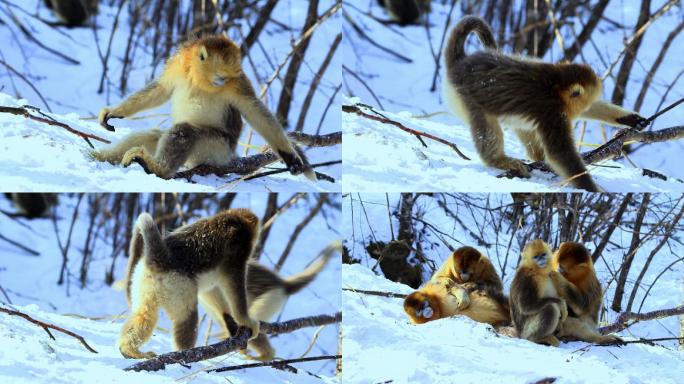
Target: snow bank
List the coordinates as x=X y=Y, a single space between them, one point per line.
x=380 y=345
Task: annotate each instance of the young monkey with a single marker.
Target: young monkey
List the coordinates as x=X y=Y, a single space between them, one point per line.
x=581 y=290
x=209 y=93
x=168 y=272
x=538 y=100
x=536 y=307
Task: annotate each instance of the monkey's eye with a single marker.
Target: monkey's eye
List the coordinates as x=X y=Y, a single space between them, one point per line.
x=202 y=56
x=575 y=94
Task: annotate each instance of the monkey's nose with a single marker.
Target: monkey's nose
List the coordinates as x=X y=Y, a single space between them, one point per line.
x=219 y=81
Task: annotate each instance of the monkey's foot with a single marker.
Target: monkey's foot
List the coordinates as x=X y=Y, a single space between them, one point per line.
x=514 y=166
x=253 y=325
x=136 y=354
x=462 y=297
x=139 y=156
x=610 y=340
x=550 y=340
x=262 y=356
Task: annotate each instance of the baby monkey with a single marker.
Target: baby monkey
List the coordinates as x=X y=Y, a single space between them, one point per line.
x=267 y=293
x=538 y=100
x=209 y=93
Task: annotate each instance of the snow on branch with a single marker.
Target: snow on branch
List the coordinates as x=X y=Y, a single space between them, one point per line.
x=239 y=341
x=47 y=327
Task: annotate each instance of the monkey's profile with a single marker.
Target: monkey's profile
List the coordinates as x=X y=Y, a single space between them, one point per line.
x=209 y=93
x=536 y=307
x=437 y=300
x=73 y=12
x=538 y=100
x=266 y=295
x=582 y=292
x=168 y=272
x=32 y=205
x=406 y=12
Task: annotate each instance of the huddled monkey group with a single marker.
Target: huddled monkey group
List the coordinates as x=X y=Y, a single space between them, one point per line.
x=553 y=296
x=209 y=262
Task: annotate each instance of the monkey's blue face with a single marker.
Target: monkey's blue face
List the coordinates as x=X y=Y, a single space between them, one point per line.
x=425 y=310
x=465 y=275
x=541 y=259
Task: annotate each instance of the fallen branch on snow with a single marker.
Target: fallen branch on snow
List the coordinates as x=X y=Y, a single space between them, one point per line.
x=48 y=326
x=357 y=110
x=613 y=148
x=250 y=164
x=24 y=111
x=239 y=341
x=376 y=293
x=627 y=319
x=275 y=363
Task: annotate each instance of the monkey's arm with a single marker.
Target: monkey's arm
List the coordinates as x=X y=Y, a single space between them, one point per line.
x=575 y=299
x=153 y=95
x=264 y=122
x=613 y=114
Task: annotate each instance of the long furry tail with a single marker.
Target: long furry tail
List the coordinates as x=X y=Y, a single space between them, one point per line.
x=295 y=283
x=146 y=238
x=455 y=48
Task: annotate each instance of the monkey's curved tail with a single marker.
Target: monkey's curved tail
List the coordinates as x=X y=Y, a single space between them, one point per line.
x=295 y=283
x=146 y=241
x=455 y=49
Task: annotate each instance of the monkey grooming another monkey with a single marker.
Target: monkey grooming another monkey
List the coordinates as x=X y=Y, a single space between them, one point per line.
x=168 y=272
x=538 y=100
x=266 y=295
x=471 y=270
x=581 y=290
x=536 y=307
x=209 y=93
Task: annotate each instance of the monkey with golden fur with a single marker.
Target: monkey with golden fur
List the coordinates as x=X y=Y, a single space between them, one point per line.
x=582 y=292
x=209 y=93
x=267 y=293
x=538 y=100
x=437 y=300
x=466 y=284
x=537 y=310
x=168 y=272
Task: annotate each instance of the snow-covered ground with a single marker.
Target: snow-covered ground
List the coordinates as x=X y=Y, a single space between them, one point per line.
x=36 y=157
x=380 y=157
x=380 y=344
x=28 y=355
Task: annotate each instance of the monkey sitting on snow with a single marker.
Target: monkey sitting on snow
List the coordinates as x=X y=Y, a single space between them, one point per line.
x=209 y=93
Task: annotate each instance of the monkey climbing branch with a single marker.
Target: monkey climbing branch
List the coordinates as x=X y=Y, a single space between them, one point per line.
x=239 y=341
x=357 y=110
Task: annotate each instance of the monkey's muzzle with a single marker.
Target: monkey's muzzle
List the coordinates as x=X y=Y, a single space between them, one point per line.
x=219 y=81
x=425 y=311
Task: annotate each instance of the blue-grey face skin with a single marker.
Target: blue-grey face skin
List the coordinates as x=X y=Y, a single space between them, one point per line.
x=541 y=259
x=219 y=81
x=465 y=276
x=425 y=311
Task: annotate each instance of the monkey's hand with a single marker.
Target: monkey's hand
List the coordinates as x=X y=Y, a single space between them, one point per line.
x=564 y=312
x=516 y=167
x=470 y=286
x=254 y=326
x=634 y=121
x=105 y=115
x=462 y=297
x=611 y=340
x=297 y=164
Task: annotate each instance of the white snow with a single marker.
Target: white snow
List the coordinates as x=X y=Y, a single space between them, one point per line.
x=28 y=355
x=37 y=157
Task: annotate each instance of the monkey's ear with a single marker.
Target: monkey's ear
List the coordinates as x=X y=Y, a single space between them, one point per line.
x=203 y=53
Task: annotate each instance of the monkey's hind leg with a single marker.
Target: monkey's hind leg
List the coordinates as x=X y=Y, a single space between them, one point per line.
x=179 y=301
x=172 y=150
x=138 y=329
x=489 y=142
x=574 y=328
x=114 y=154
x=541 y=326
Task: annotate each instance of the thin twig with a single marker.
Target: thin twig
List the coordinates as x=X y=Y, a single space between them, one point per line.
x=275 y=363
x=48 y=326
x=376 y=293
x=357 y=110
